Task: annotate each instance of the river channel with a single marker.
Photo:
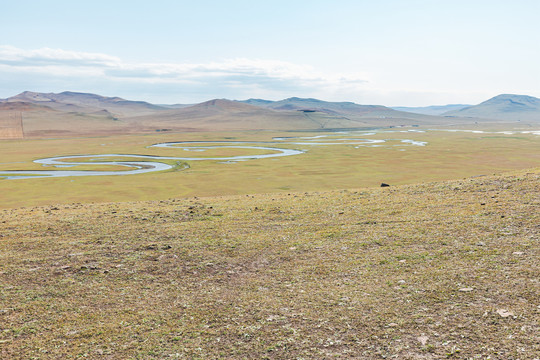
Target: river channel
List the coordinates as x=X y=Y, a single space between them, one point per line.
x=140 y=163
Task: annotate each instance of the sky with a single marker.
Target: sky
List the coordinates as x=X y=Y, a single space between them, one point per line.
x=387 y=52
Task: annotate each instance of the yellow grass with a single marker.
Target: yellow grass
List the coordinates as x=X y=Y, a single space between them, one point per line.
x=430 y=271
x=447 y=156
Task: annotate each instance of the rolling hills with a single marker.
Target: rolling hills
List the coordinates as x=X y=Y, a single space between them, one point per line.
x=81 y=114
x=69 y=101
x=503 y=107
x=302 y=104
x=291 y=114
x=348 y=110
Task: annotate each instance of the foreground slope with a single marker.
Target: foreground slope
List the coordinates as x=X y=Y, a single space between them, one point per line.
x=412 y=272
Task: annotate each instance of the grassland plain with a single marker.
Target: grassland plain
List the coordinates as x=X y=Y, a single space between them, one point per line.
x=448 y=155
x=428 y=271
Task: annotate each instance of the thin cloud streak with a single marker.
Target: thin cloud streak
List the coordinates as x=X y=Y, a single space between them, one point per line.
x=235 y=77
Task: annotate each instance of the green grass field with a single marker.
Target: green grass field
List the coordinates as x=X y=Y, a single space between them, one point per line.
x=448 y=155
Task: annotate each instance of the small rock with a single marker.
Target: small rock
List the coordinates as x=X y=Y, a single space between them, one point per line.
x=518 y=253
x=423 y=339
x=467 y=289
x=401 y=281
x=505 y=313
x=392 y=325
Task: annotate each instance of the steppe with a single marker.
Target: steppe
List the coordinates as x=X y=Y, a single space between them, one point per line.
x=437 y=270
x=294 y=257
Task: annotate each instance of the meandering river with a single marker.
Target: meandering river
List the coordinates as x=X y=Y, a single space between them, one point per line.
x=140 y=163
x=142 y=166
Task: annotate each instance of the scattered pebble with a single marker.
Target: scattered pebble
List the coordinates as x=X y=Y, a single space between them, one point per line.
x=467 y=289
x=518 y=253
x=505 y=313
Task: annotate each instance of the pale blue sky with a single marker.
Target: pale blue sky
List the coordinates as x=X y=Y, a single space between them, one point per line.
x=388 y=52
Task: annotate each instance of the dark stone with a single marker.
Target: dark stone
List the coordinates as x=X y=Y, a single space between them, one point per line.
x=384 y=185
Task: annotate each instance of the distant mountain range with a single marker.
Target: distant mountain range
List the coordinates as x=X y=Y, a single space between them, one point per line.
x=288 y=114
x=72 y=113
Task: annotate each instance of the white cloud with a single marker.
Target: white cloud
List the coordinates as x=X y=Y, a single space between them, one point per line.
x=19 y=57
x=235 y=78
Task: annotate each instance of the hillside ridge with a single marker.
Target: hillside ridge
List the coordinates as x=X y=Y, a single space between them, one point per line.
x=504 y=107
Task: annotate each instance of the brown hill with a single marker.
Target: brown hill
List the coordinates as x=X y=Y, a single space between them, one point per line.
x=340 y=108
x=367 y=115
x=221 y=114
x=83 y=114
x=504 y=107
x=69 y=101
x=22 y=106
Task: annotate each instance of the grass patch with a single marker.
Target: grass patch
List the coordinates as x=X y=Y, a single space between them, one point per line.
x=446 y=156
x=435 y=270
